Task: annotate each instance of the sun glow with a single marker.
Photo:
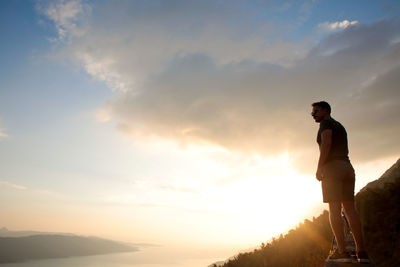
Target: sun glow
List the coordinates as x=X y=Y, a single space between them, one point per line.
x=270 y=197
x=238 y=198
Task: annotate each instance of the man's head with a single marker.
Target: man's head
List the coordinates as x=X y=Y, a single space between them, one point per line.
x=320 y=111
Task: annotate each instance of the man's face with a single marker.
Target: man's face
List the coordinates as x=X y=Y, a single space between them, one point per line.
x=318 y=113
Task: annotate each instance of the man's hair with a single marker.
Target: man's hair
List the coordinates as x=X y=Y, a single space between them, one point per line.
x=323 y=105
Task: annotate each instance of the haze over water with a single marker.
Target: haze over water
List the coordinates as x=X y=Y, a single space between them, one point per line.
x=155 y=257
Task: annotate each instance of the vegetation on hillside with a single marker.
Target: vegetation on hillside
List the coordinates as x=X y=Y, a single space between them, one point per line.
x=379 y=209
x=309 y=243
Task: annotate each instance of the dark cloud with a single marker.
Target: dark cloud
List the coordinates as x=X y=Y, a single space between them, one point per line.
x=264 y=108
x=220 y=72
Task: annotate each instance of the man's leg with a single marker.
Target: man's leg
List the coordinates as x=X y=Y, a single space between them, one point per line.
x=355 y=224
x=336 y=221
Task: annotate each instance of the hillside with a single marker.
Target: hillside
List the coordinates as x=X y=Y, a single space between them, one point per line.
x=379 y=206
x=308 y=245
x=17 y=249
x=390 y=176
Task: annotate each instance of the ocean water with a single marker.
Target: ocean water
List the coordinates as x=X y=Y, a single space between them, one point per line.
x=145 y=257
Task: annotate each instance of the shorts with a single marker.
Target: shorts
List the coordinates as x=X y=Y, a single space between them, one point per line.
x=338 y=181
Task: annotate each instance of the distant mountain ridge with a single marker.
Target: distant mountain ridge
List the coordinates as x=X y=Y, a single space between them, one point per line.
x=4 y=232
x=44 y=246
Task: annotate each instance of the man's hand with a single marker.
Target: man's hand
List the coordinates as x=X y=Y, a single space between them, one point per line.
x=319 y=175
x=326 y=142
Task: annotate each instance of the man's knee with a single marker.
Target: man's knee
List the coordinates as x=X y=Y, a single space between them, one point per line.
x=349 y=206
x=350 y=210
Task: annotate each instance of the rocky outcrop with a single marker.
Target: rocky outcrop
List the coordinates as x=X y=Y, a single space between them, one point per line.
x=390 y=176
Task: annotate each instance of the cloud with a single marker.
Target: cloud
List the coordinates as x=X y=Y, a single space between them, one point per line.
x=13 y=186
x=3 y=133
x=21 y=187
x=264 y=108
x=195 y=71
x=334 y=26
x=103 y=115
x=67 y=16
x=125 y=44
x=147 y=185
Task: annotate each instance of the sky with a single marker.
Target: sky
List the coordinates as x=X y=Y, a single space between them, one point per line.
x=187 y=122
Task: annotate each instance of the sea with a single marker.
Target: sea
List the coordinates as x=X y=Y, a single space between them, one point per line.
x=145 y=257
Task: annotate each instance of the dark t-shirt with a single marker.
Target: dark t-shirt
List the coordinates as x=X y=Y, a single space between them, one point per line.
x=339 y=148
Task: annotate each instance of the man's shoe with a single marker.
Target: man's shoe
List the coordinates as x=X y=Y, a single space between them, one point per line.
x=362 y=257
x=336 y=256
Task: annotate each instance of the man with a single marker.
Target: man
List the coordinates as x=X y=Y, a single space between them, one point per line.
x=337 y=179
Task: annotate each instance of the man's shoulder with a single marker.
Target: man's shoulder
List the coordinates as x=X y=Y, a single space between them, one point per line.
x=336 y=123
x=327 y=123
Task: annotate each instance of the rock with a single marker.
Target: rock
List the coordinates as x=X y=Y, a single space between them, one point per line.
x=390 y=176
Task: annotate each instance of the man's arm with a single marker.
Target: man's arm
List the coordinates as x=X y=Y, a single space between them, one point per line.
x=326 y=142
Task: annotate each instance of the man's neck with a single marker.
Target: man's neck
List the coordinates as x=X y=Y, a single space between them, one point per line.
x=327 y=117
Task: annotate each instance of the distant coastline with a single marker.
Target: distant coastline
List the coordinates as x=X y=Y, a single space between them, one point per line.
x=46 y=246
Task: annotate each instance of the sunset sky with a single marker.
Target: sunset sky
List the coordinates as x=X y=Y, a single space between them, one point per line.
x=187 y=122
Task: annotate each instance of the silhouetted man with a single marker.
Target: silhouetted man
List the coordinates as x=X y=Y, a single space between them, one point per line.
x=337 y=179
